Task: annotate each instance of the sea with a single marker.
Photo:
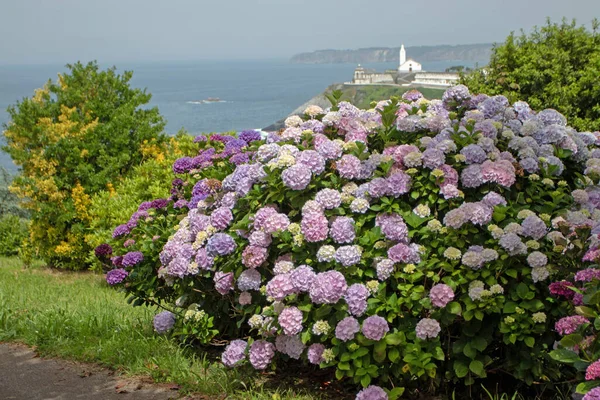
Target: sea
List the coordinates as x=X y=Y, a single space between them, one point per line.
x=252 y=94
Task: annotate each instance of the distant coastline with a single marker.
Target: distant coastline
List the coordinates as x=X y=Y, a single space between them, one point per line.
x=472 y=53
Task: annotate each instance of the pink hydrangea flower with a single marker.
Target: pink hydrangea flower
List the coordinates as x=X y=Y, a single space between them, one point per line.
x=441 y=294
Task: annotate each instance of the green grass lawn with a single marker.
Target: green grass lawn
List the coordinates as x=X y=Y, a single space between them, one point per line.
x=77 y=316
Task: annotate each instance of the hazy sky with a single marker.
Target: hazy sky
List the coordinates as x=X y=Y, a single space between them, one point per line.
x=52 y=31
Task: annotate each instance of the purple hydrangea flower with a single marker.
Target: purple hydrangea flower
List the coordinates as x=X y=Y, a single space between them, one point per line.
x=471 y=176
x=250 y=136
x=276 y=223
x=441 y=294
x=493 y=199
x=346 y=329
x=456 y=96
x=428 y=328
x=221 y=218
x=296 y=177
x=290 y=345
x=404 y=253
x=160 y=203
x=280 y=286
x=163 y=322
x=220 y=244
x=261 y=216
x=223 y=282
x=327 y=287
x=474 y=154
x=234 y=353
x=399 y=183
x=433 y=158
x=356 y=298
x=132 y=258
x=534 y=227
x=103 y=250
x=302 y=278
x=314 y=227
x=329 y=149
x=513 y=244
x=260 y=238
x=375 y=327
x=393 y=227
x=315 y=353
x=593 y=394
x=342 y=230
x=249 y=279
x=348 y=166
x=313 y=160
x=384 y=269
x=290 y=320
x=254 y=256
x=121 y=230
x=372 y=393
x=587 y=275
x=328 y=198
x=261 y=354
x=569 y=325
x=348 y=255
x=183 y=165
x=116 y=276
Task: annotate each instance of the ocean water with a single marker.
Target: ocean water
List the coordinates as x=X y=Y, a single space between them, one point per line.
x=253 y=94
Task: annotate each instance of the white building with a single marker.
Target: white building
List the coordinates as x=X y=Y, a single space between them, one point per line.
x=444 y=79
x=366 y=77
x=409 y=73
x=409 y=65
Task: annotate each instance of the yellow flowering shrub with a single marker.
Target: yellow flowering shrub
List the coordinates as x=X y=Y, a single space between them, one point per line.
x=74 y=138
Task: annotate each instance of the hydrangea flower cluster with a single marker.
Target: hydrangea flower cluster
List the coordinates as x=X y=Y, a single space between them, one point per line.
x=401 y=224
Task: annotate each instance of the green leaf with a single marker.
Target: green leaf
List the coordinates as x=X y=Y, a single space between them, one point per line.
x=395 y=338
x=365 y=381
x=460 y=369
x=438 y=354
x=469 y=351
x=476 y=367
x=479 y=343
x=585 y=387
x=395 y=393
x=586 y=312
x=529 y=341
x=360 y=352
x=393 y=354
x=564 y=356
x=522 y=290
x=344 y=366
x=571 y=340
x=509 y=308
x=454 y=308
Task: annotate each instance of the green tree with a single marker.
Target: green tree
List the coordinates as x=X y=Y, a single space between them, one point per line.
x=555 y=66
x=73 y=138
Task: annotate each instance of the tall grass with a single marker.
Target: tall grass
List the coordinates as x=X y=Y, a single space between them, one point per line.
x=77 y=316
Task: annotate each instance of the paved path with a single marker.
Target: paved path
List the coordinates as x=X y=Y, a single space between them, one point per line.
x=24 y=376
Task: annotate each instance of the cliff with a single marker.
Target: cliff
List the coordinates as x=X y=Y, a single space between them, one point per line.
x=476 y=53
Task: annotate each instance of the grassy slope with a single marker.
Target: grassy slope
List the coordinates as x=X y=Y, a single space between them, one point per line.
x=76 y=316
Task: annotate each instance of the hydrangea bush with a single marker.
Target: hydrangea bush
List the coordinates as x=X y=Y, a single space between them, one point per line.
x=418 y=244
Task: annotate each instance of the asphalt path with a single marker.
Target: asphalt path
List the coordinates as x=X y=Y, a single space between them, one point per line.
x=25 y=376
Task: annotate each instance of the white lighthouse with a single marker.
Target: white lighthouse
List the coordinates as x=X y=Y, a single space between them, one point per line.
x=409 y=65
x=402 y=56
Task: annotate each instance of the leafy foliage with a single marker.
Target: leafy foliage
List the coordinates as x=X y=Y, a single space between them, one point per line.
x=73 y=138
x=555 y=66
x=409 y=247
